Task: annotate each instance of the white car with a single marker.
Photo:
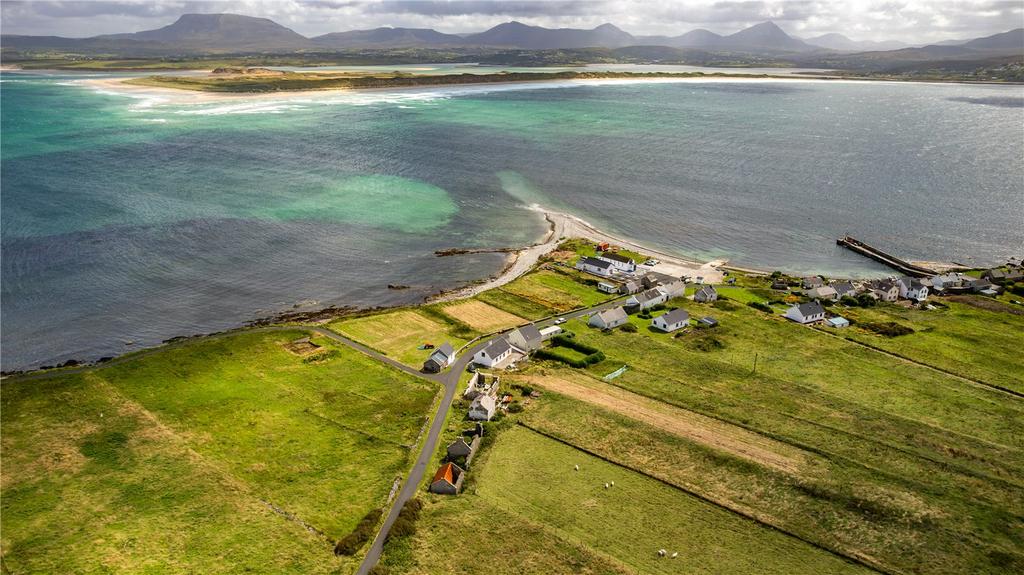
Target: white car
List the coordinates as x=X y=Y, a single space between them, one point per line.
x=560 y=321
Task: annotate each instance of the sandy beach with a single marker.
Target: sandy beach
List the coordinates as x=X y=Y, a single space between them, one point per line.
x=564 y=226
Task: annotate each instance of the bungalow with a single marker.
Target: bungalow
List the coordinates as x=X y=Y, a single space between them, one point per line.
x=630 y=287
x=845 y=289
x=526 y=338
x=647 y=299
x=482 y=408
x=595 y=266
x=607 y=287
x=495 y=352
x=810 y=282
x=671 y=321
x=549 y=332
x=837 y=322
x=806 y=312
x=913 y=288
x=609 y=318
x=440 y=359
x=982 y=286
x=706 y=294
x=459 y=448
x=619 y=262
x=886 y=290
x=823 y=292
x=447 y=480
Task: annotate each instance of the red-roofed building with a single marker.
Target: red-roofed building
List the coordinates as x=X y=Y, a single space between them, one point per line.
x=447 y=480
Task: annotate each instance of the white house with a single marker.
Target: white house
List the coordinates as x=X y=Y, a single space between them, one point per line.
x=609 y=318
x=946 y=281
x=595 y=266
x=706 y=294
x=806 y=312
x=648 y=299
x=671 y=321
x=440 y=359
x=482 y=408
x=913 y=288
x=823 y=292
x=619 y=262
x=526 y=338
x=497 y=351
x=607 y=287
x=810 y=282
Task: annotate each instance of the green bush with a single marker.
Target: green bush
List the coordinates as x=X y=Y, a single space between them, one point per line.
x=630 y=328
x=363 y=532
x=849 y=301
x=888 y=328
x=708 y=343
x=760 y=307
x=515 y=408
x=1017 y=289
x=724 y=305
x=866 y=300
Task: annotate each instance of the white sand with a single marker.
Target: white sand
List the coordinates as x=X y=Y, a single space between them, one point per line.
x=566 y=226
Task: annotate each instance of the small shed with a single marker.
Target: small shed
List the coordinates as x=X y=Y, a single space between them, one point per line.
x=447 y=480
x=440 y=359
x=837 y=322
x=607 y=287
x=708 y=321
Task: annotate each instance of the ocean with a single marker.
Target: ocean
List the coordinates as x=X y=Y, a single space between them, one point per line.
x=127 y=220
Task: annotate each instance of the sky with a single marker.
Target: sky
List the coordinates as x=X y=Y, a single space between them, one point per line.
x=912 y=21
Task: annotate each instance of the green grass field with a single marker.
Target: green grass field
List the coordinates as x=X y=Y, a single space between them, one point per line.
x=529 y=480
x=969 y=341
x=399 y=334
x=176 y=461
x=543 y=293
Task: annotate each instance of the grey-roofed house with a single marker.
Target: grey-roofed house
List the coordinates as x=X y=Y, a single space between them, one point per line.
x=527 y=338
x=595 y=266
x=671 y=321
x=886 y=290
x=706 y=294
x=618 y=261
x=459 y=448
x=809 y=312
x=647 y=299
x=609 y=318
x=823 y=292
x=630 y=287
x=495 y=352
x=844 y=289
x=440 y=359
x=655 y=279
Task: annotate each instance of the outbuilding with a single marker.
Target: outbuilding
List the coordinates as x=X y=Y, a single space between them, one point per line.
x=837 y=322
x=607 y=287
x=482 y=408
x=440 y=359
x=447 y=480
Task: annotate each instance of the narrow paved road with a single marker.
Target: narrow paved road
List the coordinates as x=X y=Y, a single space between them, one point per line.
x=450 y=380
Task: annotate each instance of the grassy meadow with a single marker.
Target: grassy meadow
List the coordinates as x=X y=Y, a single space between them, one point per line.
x=399 y=334
x=222 y=455
x=545 y=292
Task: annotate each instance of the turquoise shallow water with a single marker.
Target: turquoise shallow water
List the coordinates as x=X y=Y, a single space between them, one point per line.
x=126 y=221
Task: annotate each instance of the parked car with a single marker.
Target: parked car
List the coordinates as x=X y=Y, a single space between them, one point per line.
x=560 y=321
x=699 y=280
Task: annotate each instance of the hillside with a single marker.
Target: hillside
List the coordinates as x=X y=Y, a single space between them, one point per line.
x=222 y=32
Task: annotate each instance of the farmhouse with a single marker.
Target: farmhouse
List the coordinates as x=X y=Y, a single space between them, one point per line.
x=526 y=338
x=671 y=321
x=647 y=299
x=806 y=312
x=886 y=290
x=495 y=352
x=595 y=266
x=913 y=288
x=482 y=408
x=619 y=262
x=630 y=287
x=609 y=318
x=823 y=292
x=440 y=359
x=706 y=294
x=607 y=287
x=447 y=480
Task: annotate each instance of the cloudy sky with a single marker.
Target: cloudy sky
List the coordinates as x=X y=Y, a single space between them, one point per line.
x=915 y=21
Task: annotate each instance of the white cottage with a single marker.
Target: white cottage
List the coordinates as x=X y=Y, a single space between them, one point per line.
x=619 y=262
x=648 y=299
x=913 y=288
x=671 y=321
x=497 y=351
x=526 y=338
x=823 y=292
x=609 y=318
x=706 y=294
x=806 y=312
x=482 y=408
x=595 y=266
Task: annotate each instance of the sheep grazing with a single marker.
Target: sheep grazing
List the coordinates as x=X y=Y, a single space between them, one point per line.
x=577 y=468
x=606 y=486
x=613 y=484
x=661 y=552
x=676 y=554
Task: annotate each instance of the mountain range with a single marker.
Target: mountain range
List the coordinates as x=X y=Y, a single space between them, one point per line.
x=232 y=33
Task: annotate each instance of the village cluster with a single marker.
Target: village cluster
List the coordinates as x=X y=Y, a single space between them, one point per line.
x=648 y=291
